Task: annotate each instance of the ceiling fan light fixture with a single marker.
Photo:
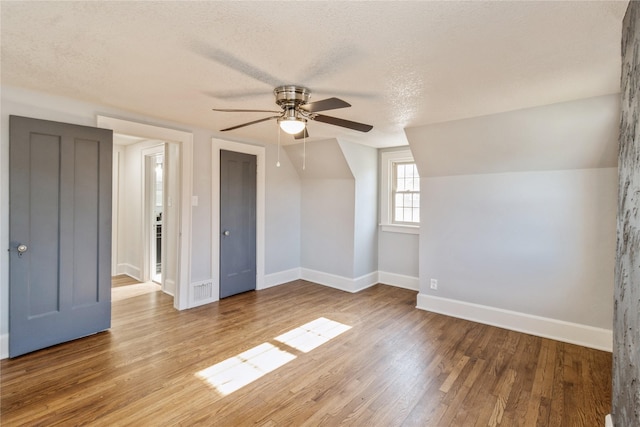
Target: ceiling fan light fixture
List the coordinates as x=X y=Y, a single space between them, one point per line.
x=292 y=125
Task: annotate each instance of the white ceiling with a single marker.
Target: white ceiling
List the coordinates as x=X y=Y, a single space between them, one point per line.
x=400 y=64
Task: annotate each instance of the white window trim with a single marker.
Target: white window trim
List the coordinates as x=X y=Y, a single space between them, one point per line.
x=387 y=159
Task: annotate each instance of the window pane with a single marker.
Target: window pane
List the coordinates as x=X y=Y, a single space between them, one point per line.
x=408 y=171
x=405 y=196
x=408 y=184
x=400 y=185
x=407 y=214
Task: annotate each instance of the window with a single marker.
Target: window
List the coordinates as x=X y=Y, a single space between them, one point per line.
x=405 y=194
x=400 y=192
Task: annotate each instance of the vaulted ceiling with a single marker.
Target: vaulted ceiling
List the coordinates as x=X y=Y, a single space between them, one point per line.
x=400 y=64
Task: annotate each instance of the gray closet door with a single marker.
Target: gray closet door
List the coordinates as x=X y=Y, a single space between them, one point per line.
x=237 y=223
x=60 y=232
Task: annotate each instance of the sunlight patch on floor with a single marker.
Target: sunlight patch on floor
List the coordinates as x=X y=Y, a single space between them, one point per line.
x=236 y=372
x=129 y=291
x=313 y=334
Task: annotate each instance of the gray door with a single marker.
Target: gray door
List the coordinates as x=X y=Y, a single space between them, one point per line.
x=237 y=223
x=60 y=233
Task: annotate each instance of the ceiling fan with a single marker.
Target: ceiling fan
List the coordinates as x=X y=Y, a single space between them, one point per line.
x=296 y=110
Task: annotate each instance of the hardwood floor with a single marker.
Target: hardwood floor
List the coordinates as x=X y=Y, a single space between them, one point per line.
x=395 y=366
x=122 y=280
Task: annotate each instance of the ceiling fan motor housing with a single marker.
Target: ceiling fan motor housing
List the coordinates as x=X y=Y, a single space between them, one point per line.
x=291 y=96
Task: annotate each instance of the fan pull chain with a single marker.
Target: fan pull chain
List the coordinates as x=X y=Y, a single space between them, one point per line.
x=278 y=162
x=304 y=150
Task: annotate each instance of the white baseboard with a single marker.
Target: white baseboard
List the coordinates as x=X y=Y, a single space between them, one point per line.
x=365 y=281
x=4 y=346
x=169 y=284
x=607 y=421
x=130 y=270
x=399 y=280
x=339 y=282
x=573 y=333
x=281 y=277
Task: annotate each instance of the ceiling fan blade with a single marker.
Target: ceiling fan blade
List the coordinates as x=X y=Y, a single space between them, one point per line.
x=302 y=134
x=342 y=122
x=231 y=110
x=250 y=123
x=324 y=105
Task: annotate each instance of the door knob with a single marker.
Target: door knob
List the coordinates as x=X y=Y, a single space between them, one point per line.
x=226 y=232
x=22 y=249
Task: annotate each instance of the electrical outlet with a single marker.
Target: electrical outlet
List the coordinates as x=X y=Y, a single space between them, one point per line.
x=434 y=284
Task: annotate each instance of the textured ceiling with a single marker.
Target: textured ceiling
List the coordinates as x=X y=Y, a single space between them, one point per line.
x=400 y=64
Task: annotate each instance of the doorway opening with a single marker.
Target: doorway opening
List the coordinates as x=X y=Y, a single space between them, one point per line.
x=146 y=214
x=146 y=218
x=177 y=195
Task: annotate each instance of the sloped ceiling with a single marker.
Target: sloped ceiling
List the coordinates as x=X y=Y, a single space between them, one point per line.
x=320 y=159
x=400 y=64
x=581 y=134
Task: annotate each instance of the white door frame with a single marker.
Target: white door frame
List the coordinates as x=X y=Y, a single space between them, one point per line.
x=148 y=223
x=115 y=209
x=259 y=152
x=185 y=139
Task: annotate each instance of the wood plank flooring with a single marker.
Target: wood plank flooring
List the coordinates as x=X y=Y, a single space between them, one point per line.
x=395 y=366
x=122 y=280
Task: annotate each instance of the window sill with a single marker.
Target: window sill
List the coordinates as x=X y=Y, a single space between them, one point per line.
x=406 y=229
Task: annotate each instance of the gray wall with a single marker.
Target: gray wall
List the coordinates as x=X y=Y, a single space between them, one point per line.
x=519 y=209
x=339 y=207
x=327 y=207
x=327 y=226
x=626 y=338
x=282 y=216
x=398 y=253
x=363 y=162
x=539 y=243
